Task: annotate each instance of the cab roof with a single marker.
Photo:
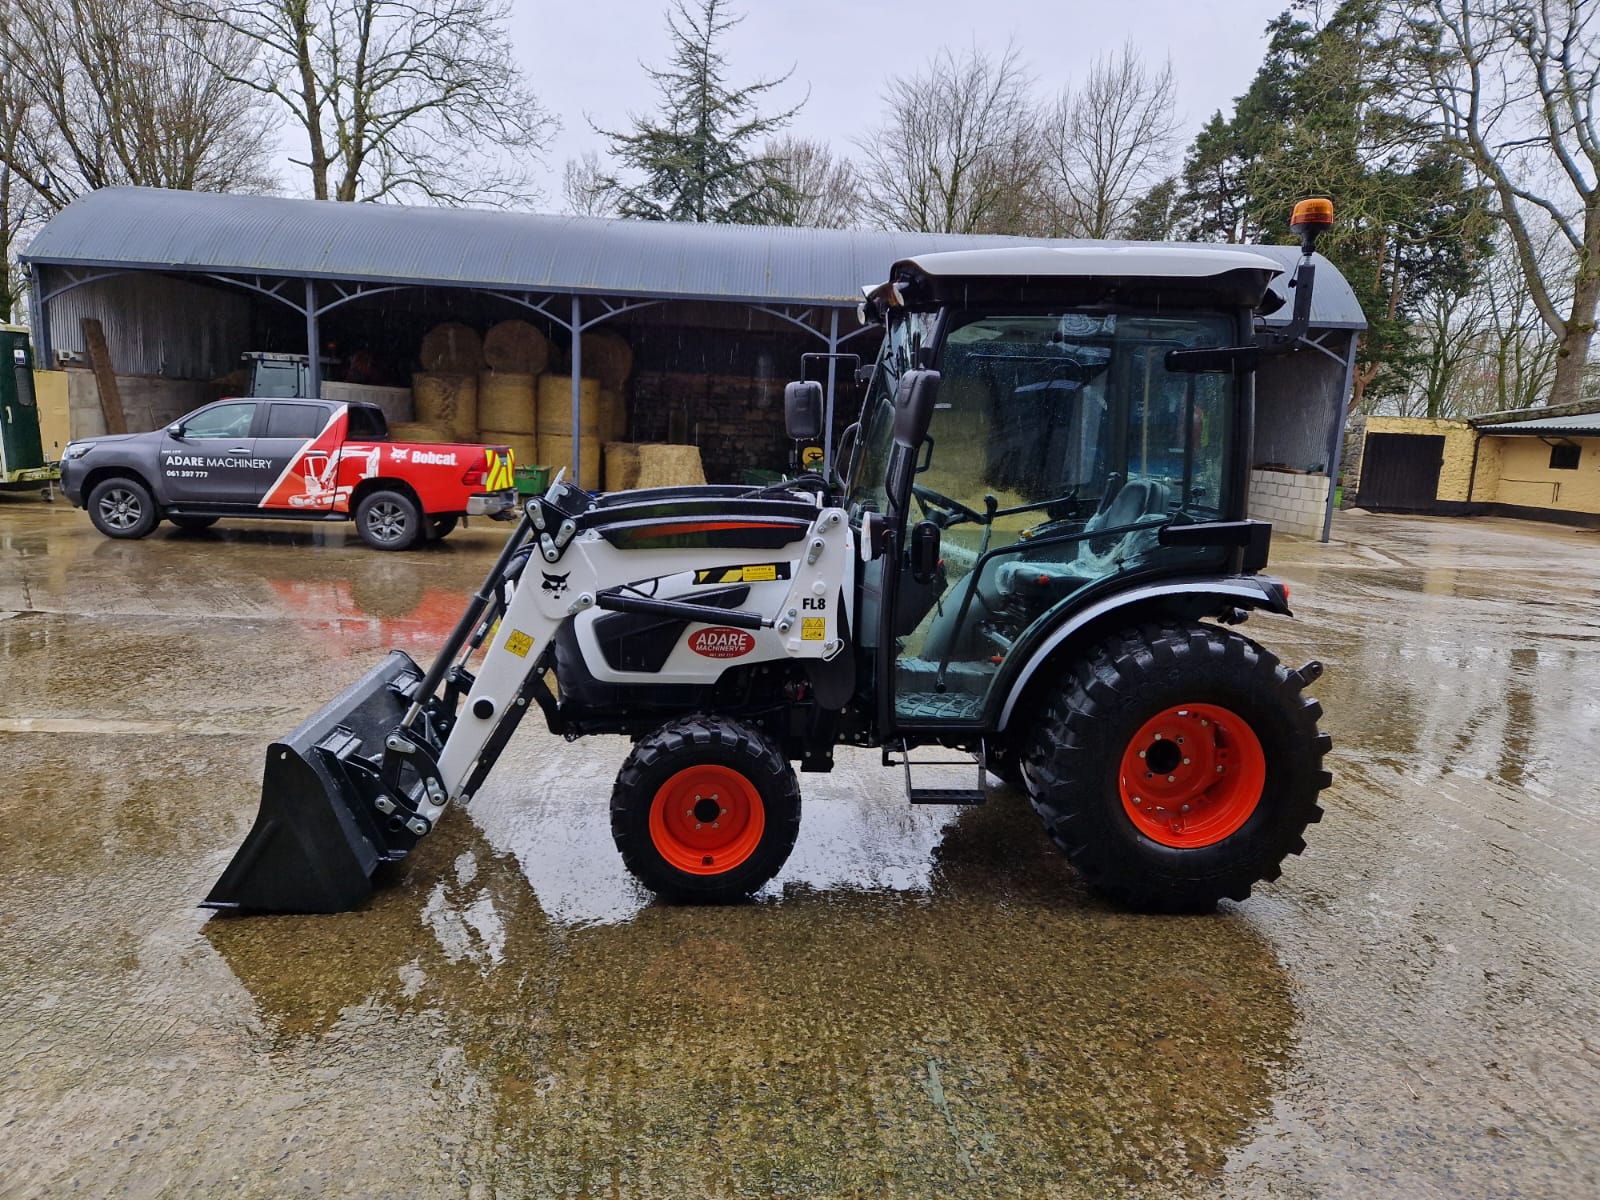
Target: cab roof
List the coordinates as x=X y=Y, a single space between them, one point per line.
x=1141 y=274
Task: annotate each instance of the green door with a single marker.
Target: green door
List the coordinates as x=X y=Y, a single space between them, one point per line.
x=19 y=411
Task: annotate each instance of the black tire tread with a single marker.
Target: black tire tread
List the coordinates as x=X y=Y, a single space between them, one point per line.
x=679 y=743
x=1066 y=760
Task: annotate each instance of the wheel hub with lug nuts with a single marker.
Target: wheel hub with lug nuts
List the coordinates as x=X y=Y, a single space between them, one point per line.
x=1192 y=775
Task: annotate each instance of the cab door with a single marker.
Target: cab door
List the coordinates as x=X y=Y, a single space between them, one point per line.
x=208 y=457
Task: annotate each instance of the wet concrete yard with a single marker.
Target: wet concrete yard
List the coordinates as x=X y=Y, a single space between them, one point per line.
x=925 y=1003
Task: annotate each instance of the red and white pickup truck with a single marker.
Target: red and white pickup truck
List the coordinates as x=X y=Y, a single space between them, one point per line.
x=304 y=460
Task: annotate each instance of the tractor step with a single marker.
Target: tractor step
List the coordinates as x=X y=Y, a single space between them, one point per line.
x=938 y=795
x=946 y=795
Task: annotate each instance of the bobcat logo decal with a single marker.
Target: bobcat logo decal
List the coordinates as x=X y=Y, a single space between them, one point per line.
x=555 y=584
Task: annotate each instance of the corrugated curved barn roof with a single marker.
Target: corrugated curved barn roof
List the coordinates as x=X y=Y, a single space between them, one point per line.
x=131 y=228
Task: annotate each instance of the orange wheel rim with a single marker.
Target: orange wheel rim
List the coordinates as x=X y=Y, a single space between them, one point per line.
x=1192 y=775
x=707 y=819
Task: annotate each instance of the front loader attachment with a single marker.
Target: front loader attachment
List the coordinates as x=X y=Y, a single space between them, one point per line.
x=321 y=828
x=358 y=784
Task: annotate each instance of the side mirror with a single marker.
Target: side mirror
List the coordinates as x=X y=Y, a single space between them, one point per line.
x=802 y=410
x=175 y=430
x=913 y=406
x=924 y=551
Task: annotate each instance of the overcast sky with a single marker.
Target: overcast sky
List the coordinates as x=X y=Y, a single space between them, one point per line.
x=582 y=56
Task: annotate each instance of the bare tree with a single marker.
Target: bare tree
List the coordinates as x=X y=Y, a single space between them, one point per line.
x=394 y=98
x=587 y=187
x=960 y=151
x=1514 y=84
x=102 y=92
x=1108 y=143
x=826 y=190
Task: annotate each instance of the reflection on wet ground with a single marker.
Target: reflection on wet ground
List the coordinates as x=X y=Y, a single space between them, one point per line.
x=924 y=1003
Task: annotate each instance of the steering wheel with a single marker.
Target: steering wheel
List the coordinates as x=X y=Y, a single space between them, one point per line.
x=954 y=511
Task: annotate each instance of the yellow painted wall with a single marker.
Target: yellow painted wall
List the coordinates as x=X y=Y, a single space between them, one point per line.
x=1456 y=472
x=50 y=389
x=1523 y=476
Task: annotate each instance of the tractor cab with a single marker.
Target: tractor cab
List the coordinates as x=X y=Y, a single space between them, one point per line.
x=1069 y=440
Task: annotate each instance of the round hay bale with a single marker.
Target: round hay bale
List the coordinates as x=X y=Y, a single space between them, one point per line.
x=417 y=431
x=453 y=348
x=663 y=465
x=447 y=400
x=516 y=347
x=613 y=414
x=606 y=357
x=524 y=446
x=554 y=408
x=557 y=451
x=505 y=401
x=622 y=466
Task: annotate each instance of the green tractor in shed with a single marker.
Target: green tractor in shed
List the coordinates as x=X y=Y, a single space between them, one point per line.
x=1032 y=553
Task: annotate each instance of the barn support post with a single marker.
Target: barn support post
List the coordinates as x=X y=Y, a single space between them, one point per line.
x=43 y=352
x=577 y=393
x=1341 y=416
x=313 y=343
x=833 y=371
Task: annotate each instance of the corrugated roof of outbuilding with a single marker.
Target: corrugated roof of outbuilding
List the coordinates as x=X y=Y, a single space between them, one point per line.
x=132 y=228
x=1573 y=425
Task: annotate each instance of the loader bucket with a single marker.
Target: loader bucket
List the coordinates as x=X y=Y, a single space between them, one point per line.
x=317 y=839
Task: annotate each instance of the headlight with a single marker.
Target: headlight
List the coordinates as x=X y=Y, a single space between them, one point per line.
x=76 y=450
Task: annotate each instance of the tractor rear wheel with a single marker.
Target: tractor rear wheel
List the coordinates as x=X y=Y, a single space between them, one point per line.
x=1177 y=765
x=705 y=810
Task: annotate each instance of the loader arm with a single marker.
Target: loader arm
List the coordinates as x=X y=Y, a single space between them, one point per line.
x=368 y=775
x=597 y=573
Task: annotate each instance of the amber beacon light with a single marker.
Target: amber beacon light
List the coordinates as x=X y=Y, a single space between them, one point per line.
x=1310 y=219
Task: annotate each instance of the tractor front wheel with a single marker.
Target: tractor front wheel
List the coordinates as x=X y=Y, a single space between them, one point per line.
x=1177 y=765
x=705 y=810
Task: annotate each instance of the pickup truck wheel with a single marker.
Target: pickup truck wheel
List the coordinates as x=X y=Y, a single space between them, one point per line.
x=705 y=810
x=193 y=524
x=439 y=527
x=122 y=508
x=388 y=521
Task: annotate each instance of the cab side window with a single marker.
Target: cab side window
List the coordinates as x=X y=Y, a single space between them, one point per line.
x=223 y=421
x=299 y=421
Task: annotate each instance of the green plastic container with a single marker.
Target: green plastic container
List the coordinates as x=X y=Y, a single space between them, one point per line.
x=531 y=481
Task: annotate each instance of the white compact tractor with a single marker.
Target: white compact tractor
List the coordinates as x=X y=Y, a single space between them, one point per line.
x=1031 y=552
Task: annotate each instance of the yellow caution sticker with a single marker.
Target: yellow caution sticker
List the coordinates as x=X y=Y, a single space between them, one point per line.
x=519 y=643
x=813 y=629
x=811 y=458
x=754 y=573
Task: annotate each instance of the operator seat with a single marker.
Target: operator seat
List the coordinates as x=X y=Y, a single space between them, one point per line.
x=1040 y=582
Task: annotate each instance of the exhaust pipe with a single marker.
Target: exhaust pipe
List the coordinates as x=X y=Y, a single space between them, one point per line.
x=321 y=829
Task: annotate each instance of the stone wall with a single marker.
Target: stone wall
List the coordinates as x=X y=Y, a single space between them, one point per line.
x=1293 y=502
x=148 y=402
x=1455 y=476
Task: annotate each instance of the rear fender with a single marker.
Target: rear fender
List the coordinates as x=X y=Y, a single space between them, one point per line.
x=1189 y=600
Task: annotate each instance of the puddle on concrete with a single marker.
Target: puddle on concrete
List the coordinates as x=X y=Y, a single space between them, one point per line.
x=996 y=1031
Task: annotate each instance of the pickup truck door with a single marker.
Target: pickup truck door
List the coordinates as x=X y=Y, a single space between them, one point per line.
x=289 y=438
x=210 y=460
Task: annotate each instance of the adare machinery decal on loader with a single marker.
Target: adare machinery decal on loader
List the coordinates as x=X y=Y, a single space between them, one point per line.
x=1075 y=637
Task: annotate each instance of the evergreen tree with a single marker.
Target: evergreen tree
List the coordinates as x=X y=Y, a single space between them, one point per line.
x=1321 y=118
x=698 y=158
